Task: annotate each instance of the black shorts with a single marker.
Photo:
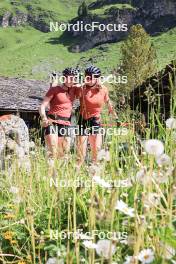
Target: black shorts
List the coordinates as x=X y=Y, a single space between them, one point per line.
x=58 y=129
x=90 y=126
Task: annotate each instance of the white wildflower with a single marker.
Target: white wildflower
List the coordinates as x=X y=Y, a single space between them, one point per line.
x=123 y=207
x=124 y=241
x=51 y=162
x=154 y=147
x=22 y=221
x=129 y=260
x=89 y=244
x=146 y=256
x=103 y=155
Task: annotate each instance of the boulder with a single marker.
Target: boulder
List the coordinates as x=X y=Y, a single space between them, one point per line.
x=5 y=19
x=14 y=141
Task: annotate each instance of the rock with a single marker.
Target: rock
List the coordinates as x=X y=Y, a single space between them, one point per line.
x=5 y=19
x=91 y=39
x=155 y=16
x=19 y=19
x=14 y=140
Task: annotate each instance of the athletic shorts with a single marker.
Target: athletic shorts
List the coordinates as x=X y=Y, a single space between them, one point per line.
x=58 y=129
x=90 y=126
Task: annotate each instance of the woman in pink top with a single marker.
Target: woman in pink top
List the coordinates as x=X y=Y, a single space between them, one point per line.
x=93 y=97
x=56 y=123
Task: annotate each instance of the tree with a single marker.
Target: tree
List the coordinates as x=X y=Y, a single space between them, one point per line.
x=83 y=10
x=138 y=57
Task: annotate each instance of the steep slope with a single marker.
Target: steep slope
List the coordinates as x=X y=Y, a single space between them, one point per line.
x=156 y=16
x=37 y=13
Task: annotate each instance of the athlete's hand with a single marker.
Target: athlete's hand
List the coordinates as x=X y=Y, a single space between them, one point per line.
x=45 y=122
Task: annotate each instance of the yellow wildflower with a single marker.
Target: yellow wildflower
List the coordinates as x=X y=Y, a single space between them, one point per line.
x=8 y=235
x=13 y=242
x=9 y=216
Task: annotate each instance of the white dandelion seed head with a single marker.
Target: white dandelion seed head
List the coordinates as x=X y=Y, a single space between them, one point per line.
x=160 y=177
x=17 y=199
x=154 y=147
x=169 y=252
x=95 y=170
x=143 y=176
x=52 y=261
x=163 y=159
x=31 y=144
x=105 y=248
x=14 y=190
x=171 y=123
x=151 y=200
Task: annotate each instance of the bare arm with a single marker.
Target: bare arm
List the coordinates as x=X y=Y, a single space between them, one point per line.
x=109 y=104
x=42 y=109
x=111 y=108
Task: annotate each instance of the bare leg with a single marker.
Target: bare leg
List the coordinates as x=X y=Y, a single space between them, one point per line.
x=95 y=144
x=51 y=143
x=81 y=149
x=63 y=146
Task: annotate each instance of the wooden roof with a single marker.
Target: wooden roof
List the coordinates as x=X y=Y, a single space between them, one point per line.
x=19 y=94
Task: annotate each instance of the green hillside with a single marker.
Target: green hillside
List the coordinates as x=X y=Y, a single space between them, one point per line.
x=103 y=9
x=63 y=9
x=29 y=53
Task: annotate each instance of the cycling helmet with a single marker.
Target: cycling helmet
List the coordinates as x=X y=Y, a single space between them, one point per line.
x=54 y=74
x=92 y=70
x=70 y=71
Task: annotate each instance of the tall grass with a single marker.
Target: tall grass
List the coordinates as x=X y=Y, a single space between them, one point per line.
x=38 y=208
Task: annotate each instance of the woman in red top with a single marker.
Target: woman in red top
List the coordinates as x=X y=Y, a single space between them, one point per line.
x=57 y=122
x=93 y=97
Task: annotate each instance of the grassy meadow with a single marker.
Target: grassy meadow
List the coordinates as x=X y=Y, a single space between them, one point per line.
x=121 y=210
x=29 y=53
